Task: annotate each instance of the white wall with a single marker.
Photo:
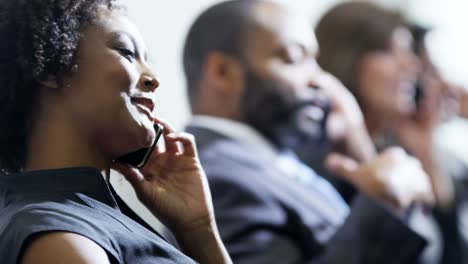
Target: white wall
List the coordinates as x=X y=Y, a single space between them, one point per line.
x=165 y=23
x=448 y=42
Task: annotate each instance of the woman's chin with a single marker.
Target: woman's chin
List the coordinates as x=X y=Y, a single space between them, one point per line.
x=144 y=133
x=149 y=135
x=140 y=137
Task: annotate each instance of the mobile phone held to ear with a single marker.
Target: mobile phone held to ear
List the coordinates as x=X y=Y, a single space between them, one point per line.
x=139 y=158
x=418 y=93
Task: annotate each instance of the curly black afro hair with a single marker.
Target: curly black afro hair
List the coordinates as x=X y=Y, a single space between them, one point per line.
x=38 y=39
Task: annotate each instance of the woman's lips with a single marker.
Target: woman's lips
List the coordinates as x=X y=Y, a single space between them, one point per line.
x=145 y=104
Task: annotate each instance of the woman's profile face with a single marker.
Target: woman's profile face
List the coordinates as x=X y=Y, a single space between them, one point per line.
x=386 y=79
x=110 y=96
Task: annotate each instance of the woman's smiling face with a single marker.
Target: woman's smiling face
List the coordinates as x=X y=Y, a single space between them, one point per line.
x=110 y=96
x=387 y=78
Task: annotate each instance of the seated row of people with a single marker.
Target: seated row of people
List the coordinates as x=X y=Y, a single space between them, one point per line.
x=302 y=138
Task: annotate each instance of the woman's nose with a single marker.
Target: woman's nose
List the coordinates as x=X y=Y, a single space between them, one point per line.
x=149 y=83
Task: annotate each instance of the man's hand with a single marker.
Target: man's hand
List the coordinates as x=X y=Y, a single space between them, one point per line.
x=346 y=124
x=392 y=177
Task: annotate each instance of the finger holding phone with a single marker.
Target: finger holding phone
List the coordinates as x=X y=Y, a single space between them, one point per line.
x=173 y=186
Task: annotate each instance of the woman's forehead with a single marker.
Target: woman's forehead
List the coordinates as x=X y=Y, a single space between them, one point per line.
x=115 y=21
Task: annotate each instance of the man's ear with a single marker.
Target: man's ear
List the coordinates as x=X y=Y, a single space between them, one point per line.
x=50 y=82
x=224 y=72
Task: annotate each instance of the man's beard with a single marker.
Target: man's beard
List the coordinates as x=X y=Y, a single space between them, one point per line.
x=287 y=120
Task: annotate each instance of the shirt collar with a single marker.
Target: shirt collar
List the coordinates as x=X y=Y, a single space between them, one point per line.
x=238 y=131
x=284 y=160
x=47 y=182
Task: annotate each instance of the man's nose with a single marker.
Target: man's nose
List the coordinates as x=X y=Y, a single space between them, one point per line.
x=314 y=76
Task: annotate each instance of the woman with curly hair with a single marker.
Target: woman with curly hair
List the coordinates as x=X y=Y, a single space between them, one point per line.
x=76 y=94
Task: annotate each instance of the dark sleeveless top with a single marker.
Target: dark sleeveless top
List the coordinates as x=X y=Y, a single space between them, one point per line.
x=76 y=200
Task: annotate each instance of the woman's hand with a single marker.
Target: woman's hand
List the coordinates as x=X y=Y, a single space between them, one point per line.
x=416 y=134
x=173 y=186
x=415 y=131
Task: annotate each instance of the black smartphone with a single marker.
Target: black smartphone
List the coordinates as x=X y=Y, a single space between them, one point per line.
x=418 y=93
x=139 y=158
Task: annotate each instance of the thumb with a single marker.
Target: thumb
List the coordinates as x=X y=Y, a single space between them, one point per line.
x=342 y=165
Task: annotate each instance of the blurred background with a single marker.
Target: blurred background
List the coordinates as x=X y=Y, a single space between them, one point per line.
x=164 y=25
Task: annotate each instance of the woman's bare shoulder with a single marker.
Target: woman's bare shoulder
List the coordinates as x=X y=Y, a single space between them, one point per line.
x=60 y=247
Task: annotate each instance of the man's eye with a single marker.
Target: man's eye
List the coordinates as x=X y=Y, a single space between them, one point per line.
x=126 y=53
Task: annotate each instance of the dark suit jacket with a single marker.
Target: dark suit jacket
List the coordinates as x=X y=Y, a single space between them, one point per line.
x=266 y=217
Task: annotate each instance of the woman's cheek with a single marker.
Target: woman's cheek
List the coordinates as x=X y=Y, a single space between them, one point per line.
x=124 y=75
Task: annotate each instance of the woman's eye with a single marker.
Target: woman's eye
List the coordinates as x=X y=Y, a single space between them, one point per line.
x=294 y=55
x=126 y=53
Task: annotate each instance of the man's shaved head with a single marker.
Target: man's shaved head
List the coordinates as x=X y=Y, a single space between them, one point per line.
x=223 y=28
x=254 y=61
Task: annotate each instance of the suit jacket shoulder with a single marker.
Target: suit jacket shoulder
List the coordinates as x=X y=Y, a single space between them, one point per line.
x=265 y=216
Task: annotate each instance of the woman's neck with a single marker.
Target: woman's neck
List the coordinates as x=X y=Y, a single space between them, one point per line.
x=56 y=143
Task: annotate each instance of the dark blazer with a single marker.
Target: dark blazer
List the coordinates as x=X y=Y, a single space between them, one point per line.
x=267 y=217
